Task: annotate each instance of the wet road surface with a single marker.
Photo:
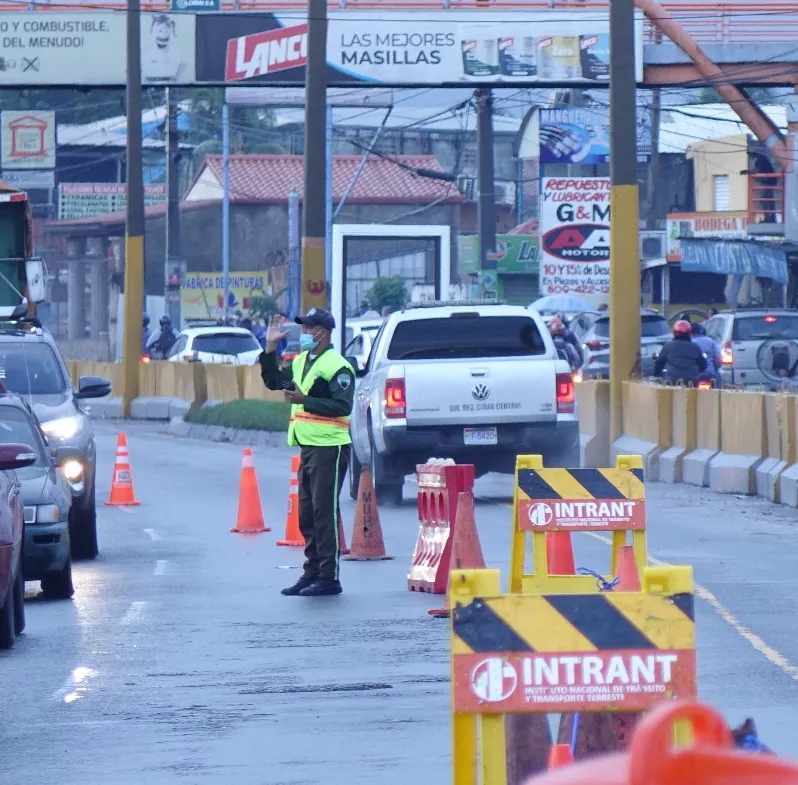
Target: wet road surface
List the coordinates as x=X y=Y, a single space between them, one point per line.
x=179 y=662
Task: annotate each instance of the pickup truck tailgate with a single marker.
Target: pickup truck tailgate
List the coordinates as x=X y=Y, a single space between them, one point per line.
x=474 y=392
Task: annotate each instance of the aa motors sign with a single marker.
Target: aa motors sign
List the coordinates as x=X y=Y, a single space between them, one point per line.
x=575 y=237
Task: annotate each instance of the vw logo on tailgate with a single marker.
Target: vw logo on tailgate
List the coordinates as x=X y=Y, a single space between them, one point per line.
x=480 y=392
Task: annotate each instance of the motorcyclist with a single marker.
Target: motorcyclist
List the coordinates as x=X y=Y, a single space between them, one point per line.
x=681 y=360
x=564 y=348
x=164 y=338
x=710 y=349
x=145 y=332
x=571 y=338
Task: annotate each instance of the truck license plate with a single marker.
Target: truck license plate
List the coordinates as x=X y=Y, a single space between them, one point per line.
x=476 y=436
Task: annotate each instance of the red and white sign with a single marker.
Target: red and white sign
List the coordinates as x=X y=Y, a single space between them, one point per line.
x=630 y=681
x=266 y=53
x=28 y=140
x=582 y=514
x=575 y=237
x=723 y=225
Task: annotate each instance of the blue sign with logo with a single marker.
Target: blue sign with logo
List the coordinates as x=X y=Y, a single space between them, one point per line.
x=196 y=6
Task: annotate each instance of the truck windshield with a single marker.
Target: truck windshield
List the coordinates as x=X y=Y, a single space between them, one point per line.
x=11 y=283
x=466 y=336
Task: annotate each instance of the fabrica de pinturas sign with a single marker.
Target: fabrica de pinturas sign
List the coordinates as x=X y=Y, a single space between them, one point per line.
x=575 y=237
x=445 y=47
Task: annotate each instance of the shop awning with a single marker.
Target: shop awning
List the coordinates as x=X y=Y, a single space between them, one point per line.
x=735 y=257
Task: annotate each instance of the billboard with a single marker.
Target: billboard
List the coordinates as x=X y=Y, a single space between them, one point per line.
x=88 y=48
x=575 y=237
x=515 y=253
x=28 y=140
x=721 y=225
x=450 y=47
x=581 y=135
x=202 y=294
x=85 y=200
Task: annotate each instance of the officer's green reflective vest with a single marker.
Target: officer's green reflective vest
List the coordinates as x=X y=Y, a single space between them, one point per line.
x=313 y=430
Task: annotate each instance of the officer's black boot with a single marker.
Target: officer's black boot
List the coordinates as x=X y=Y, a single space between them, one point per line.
x=299 y=586
x=322 y=587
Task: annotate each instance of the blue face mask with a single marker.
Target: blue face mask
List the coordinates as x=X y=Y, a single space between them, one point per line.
x=307 y=342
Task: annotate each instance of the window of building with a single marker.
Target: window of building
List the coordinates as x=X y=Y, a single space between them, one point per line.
x=720 y=184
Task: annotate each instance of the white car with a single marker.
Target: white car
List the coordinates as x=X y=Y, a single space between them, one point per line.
x=477 y=382
x=227 y=345
x=359 y=335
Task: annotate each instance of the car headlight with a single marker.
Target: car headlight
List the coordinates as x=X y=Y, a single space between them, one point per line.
x=64 y=427
x=47 y=513
x=73 y=470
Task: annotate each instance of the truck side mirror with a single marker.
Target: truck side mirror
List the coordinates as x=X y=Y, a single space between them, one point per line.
x=36 y=277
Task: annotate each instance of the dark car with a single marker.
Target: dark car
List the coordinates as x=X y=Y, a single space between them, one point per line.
x=12 y=581
x=31 y=366
x=47 y=498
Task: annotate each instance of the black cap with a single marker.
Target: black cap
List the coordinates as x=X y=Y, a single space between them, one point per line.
x=317 y=317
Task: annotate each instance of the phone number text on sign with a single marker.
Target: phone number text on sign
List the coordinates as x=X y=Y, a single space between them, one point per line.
x=554 y=514
x=625 y=680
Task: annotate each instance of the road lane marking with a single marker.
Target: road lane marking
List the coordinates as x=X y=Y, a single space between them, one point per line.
x=758 y=644
x=134 y=613
x=75 y=686
x=160 y=567
x=153 y=534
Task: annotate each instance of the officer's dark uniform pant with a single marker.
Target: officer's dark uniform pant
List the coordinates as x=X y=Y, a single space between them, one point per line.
x=321 y=475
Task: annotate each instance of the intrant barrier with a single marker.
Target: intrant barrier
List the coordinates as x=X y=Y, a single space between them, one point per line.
x=439 y=487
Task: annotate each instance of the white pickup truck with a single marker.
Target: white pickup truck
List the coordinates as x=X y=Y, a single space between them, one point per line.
x=479 y=383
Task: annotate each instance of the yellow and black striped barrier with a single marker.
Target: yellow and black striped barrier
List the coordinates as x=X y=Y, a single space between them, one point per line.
x=539 y=653
x=550 y=501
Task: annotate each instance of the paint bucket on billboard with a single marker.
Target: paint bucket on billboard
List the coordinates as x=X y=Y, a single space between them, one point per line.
x=480 y=53
x=558 y=57
x=518 y=55
x=594 y=53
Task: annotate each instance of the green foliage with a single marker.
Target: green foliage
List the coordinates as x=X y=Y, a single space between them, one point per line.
x=74 y=107
x=263 y=306
x=246 y=414
x=390 y=291
x=761 y=95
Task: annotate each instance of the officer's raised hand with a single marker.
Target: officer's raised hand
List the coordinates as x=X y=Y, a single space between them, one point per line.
x=275 y=332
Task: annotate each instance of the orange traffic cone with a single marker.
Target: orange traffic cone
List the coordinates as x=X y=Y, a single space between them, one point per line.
x=250 y=510
x=122 y=494
x=342 y=547
x=367 y=542
x=559 y=756
x=293 y=536
x=628 y=575
x=466 y=548
x=560 y=553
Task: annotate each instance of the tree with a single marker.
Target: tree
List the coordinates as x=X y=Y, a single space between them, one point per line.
x=390 y=291
x=263 y=306
x=760 y=95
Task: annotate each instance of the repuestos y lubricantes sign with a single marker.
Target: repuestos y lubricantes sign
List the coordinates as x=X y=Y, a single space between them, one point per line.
x=393 y=48
x=575 y=237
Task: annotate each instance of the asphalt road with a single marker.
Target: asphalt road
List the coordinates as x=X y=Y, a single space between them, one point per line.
x=179 y=662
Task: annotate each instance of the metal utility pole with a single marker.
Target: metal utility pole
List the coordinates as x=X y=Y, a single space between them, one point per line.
x=225 y=206
x=174 y=254
x=294 y=273
x=624 y=209
x=134 y=224
x=485 y=205
x=653 y=166
x=314 y=207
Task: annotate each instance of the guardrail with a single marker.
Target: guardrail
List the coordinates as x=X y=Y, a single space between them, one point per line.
x=707 y=22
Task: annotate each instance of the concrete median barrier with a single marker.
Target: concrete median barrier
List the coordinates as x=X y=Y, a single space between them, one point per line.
x=743 y=442
x=252 y=385
x=222 y=383
x=647 y=424
x=684 y=401
x=593 y=399
x=768 y=472
x=695 y=464
x=788 y=481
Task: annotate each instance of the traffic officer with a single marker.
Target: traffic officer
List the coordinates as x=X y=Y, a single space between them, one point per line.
x=320 y=386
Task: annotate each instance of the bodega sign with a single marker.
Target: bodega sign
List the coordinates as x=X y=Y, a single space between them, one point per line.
x=630 y=680
x=575 y=237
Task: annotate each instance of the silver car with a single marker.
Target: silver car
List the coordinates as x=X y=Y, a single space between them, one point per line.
x=757 y=346
x=593 y=332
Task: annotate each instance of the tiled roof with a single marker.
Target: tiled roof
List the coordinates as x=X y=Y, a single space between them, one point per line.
x=270 y=178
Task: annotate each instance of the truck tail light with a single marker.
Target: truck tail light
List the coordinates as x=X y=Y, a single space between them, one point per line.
x=395 y=403
x=566 y=395
x=727 y=354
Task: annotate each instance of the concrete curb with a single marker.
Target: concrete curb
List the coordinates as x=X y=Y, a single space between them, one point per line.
x=734 y=473
x=788 y=486
x=695 y=467
x=670 y=464
x=648 y=451
x=143 y=408
x=216 y=433
x=768 y=478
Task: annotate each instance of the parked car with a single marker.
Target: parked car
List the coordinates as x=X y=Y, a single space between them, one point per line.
x=227 y=345
x=46 y=496
x=593 y=331
x=359 y=336
x=12 y=582
x=757 y=346
x=31 y=366
x=477 y=382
